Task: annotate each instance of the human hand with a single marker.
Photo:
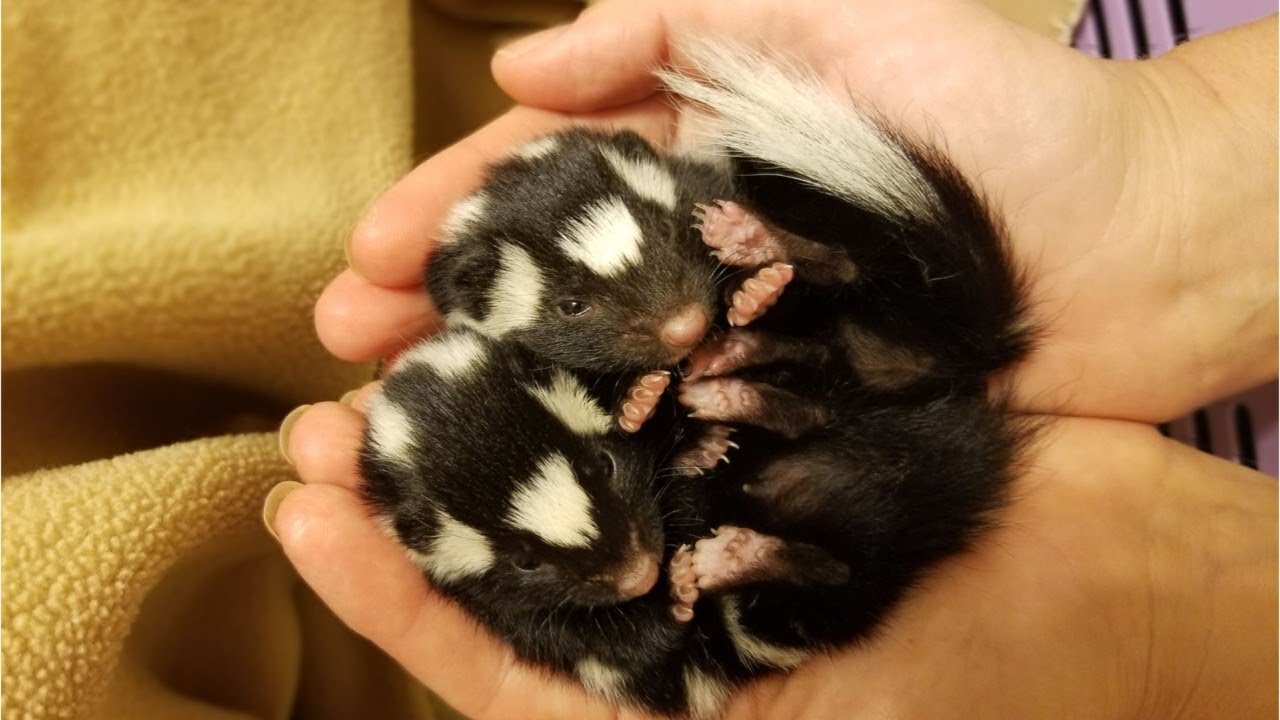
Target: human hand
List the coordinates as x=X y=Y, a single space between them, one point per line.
x=1130 y=577
x=1145 y=316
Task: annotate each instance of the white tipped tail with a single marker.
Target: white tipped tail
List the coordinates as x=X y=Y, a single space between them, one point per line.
x=768 y=108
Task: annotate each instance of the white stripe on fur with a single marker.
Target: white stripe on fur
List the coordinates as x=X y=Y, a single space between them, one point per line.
x=646 y=178
x=390 y=431
x=704 y=694
x=457 y=551
x=538 y=147
x=465 y=213
x=452 y=355
x=753 y=650
x=516 y=295
x=568 y=400
x=604 y=680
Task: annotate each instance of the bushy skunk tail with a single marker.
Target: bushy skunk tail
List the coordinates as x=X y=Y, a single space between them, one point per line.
x=934 y=271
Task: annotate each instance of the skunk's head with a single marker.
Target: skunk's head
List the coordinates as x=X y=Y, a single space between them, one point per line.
x=507 y=481
x=580 y=246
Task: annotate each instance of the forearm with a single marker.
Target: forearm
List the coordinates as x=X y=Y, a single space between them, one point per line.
x=1211 y=137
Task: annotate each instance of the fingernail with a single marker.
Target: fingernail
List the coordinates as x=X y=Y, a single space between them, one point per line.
x=271 y=505
x=347 y=398
x=531 y=42
x=286 y=427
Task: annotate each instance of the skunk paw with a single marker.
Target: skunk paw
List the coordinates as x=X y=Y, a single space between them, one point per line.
x=736 y=236
x=684 y=584
x=709 y=450
x=759 y=293
x=641 y=399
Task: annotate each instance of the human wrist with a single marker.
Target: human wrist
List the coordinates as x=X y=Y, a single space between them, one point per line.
x=1211 y=562
x=1202 y=127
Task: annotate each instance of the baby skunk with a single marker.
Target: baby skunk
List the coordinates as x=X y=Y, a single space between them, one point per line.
x=507 y=482
x=580 y=247
x=869 y=448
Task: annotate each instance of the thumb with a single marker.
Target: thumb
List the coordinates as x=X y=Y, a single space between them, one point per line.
x=603 y=59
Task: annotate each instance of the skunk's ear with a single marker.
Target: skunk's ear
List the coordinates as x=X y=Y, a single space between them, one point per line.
x=459 y=273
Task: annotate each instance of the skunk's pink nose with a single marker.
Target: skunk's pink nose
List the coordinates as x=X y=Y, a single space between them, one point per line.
x=684 y=329
x=639 y=576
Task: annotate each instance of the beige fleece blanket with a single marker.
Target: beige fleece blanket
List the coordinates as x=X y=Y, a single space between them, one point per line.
x=178 y=178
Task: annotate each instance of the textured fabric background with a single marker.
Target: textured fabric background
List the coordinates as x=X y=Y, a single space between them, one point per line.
x=178 y=178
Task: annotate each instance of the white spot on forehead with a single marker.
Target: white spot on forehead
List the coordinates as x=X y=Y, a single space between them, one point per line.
x=516 y=293
x=704 y=694
x=452 y=355
x=390 y=430
x=604 y=680
x=538 y=147
x=606 y=239
x=568 y=400
x=646 y=178
x=457 y=551
x=752 y=649
x=553 y=506
x=465 y=213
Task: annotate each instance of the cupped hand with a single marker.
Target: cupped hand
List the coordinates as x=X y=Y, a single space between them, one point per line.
x=1130 y=576
x=1074 y=154
x=1075 y=606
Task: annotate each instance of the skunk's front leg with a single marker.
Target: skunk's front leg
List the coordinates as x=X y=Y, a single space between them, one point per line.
x=739 y=348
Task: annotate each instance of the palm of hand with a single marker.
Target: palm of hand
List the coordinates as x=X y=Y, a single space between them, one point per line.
x=1059 y=562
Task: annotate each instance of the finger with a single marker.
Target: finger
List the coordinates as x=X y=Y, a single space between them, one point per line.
x=324 y=444
x=606 y=58
x=360 y=401
x=390 y=245
x=358 y=321
x=369 y=583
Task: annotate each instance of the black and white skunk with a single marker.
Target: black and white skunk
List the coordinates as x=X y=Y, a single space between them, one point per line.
x=870 y=298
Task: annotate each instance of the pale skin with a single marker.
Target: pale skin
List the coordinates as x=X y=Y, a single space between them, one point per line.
x=1133 y=577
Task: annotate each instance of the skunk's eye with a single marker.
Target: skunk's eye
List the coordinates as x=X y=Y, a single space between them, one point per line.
x=607 y=465
x=525 y=563
x=571 y=307
x=523 y=559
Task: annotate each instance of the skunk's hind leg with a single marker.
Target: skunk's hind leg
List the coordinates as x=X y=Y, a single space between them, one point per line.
x=739 y=348
x=739 y=556
x=733 y=400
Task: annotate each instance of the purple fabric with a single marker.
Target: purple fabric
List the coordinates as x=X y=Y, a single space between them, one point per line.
x=1126 y=29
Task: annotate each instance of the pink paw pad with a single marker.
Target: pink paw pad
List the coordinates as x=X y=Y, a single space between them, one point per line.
x=731 y=351
x=710 y=450
x=723 y=399
x=735 y=235
x=733 y=552
x=684 y=584
x=641 y=399
x=759 y=293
